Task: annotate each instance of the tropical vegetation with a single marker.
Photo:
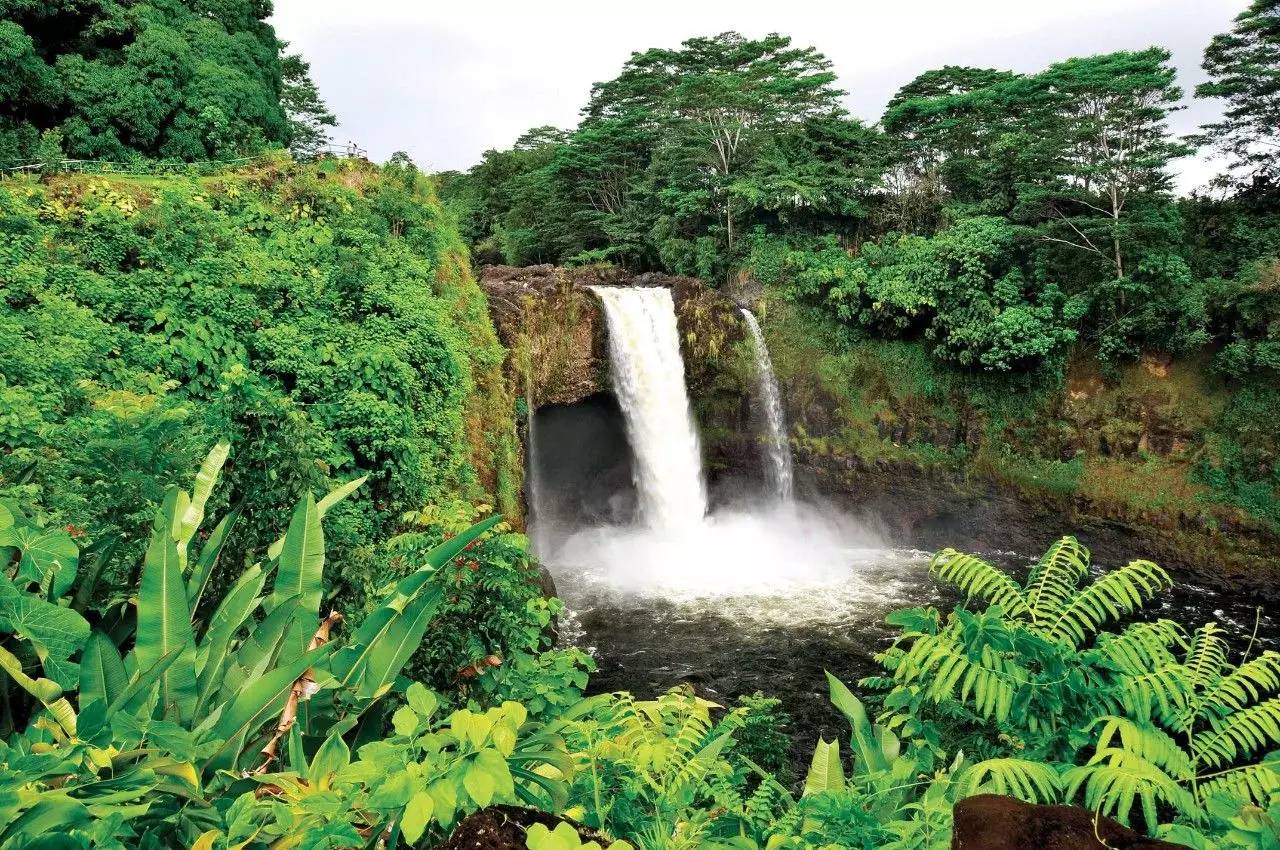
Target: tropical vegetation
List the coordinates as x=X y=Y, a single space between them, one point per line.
x=261 y=579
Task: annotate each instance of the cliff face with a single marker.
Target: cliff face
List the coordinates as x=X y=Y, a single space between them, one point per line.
x=932 y=458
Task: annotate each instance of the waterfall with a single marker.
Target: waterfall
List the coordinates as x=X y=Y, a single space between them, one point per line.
x=777 y=449
x=648 y=377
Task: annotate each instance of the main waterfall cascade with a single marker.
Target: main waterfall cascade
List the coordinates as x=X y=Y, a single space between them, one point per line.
x=777 y=447
x=648 y=378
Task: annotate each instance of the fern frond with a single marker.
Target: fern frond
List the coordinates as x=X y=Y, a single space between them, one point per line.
x=1110 y=597
x=1247 y=683
x=1054 y=578
x=1255 y=783
x=1147 y=742
x=940 y=664
x=1239 y=734
x=1164 y=693
x=1114 y=780
x=975 y=577
x=1142 y=646
x=1033 y=781
x=1207 y=656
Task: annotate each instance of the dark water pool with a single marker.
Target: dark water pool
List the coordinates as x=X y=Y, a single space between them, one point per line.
x=779 y=641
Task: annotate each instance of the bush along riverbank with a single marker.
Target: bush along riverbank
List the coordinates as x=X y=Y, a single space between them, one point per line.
x=175 y=715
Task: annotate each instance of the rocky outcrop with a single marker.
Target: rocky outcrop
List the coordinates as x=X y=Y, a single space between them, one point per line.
x=554 y=328
x=992 y=822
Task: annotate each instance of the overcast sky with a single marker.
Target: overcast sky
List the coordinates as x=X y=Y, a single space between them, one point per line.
x=447 y=85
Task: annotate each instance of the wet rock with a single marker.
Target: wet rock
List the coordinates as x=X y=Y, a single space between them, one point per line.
x=505 y=827
x=992 y=822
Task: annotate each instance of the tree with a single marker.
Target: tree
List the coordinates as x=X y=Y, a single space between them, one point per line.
x=1244 y=69
x=308 y=115
x=715 y=101
x=1108 y=115
x=940 y=129
x=164 y=79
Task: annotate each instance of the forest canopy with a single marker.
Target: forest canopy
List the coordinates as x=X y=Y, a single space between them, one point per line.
x=1000 y=217
x=107 y=79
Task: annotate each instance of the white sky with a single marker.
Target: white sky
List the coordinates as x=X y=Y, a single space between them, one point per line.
x=447 y=85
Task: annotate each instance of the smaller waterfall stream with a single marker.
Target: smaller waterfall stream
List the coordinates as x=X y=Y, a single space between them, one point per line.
x=777 y=447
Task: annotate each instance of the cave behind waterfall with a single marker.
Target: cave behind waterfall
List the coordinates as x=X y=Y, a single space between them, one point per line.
x=579 y=470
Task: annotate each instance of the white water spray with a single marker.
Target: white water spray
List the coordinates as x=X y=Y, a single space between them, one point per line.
x=777 y=447
x=648 y=378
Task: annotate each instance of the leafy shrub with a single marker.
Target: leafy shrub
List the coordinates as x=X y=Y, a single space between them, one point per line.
x=322 y=317
x=962 y=289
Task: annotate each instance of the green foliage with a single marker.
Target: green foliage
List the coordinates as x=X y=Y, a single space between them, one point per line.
x=1243 y=66
x=180 y=708
x=960 y=289
x=320 y=319
x=1145 y=719
x=115 y=79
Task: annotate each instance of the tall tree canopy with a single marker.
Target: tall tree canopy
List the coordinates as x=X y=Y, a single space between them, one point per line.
x=169 y=79
x=1244 y=69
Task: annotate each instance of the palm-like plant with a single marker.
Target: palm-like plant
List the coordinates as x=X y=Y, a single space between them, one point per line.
x=196 y=702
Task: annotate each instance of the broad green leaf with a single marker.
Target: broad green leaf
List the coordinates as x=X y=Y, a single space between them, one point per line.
x=402 y=637
x=869 y=743
x=49 y=557
x=102 y=675
x=164 y=625
x=206 y=478
x=450 y=549
x=254 y=705
x=417 y=814
x=480 y=783
x=825 y=771
x=54 y=632
x=45 y=690
x=323 y=506
x=236 y=607
x=301 y=570
x=422 y=700
x=404 y=721
x=265 y=646
x=332 y=756
x=142 y=682
x=208 y=559
x=339 y=493
x=368 y=662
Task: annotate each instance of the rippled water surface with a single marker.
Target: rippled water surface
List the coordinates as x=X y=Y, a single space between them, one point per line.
x=775 y=611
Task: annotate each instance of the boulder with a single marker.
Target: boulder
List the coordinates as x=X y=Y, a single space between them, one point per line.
x=992 y=822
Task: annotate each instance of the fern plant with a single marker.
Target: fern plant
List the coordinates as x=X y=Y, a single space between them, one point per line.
x=1215 y=736
x=1030 y=661
x=648 y=763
